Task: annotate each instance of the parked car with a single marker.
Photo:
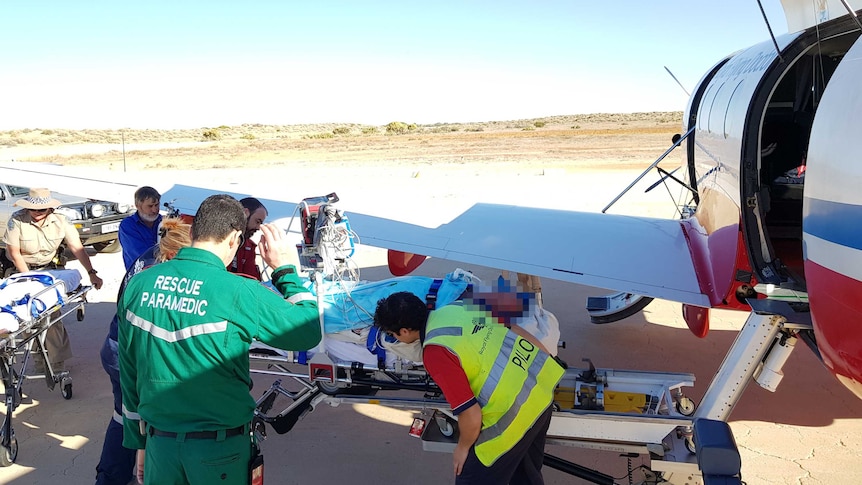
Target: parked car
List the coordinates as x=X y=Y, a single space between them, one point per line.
x=97 y=221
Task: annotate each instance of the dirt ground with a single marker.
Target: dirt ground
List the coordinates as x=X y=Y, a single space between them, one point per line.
x=587 y=141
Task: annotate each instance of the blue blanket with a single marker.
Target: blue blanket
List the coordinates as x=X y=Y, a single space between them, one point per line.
x=351 y=307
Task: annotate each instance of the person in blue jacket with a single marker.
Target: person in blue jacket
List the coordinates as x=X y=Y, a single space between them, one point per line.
x=139 y=231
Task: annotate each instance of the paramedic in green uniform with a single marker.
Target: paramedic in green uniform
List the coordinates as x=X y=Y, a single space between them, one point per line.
x=185 y=331
x=498 y=381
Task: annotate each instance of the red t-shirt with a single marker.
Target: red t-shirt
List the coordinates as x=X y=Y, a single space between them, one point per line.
x=445 y=369
x=244 y=261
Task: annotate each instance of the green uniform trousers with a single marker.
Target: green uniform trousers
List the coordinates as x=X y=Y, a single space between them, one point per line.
x=179 y=461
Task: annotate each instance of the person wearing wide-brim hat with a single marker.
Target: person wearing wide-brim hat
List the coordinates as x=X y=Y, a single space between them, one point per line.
x=33 y=237
x=38 y=199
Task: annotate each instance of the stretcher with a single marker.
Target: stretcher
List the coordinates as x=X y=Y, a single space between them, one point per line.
x=617 y=410
x=30 y=304
x=624 y=411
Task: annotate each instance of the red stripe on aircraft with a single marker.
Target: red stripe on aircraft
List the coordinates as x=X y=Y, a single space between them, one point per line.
x=836 y=309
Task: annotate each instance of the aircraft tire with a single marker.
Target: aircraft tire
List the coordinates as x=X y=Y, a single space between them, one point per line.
x=640 y=305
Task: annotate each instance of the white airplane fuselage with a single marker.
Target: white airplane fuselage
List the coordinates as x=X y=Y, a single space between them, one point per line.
x=774 y=159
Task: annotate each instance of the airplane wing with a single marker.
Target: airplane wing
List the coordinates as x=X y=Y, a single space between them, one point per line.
x=639 y=255
x=72 y=183
x=121 y=187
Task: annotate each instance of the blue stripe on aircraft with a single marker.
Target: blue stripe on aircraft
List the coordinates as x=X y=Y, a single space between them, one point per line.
x=835 y=222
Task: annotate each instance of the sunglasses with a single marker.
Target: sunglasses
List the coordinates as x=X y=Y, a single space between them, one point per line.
x=38 y=211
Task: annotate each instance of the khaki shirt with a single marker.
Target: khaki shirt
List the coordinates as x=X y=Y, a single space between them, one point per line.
x=38 y=245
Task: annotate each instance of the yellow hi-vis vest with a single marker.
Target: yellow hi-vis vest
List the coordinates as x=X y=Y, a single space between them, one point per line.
x=512 y=379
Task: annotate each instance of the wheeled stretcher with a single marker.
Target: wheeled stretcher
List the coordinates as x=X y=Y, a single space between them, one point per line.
x=30 y=304
x=627 y=411
x=355 y=362
x=326 y=376
x=631 y=412
x=616 y=410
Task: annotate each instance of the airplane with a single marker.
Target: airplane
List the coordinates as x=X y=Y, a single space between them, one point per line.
x=769 y=162
x=769 y=143
x=770 y=165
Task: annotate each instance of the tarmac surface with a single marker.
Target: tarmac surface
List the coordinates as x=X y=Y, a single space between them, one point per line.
x=807 y=432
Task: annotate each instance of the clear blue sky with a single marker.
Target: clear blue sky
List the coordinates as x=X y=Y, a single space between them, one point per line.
x=190 y=64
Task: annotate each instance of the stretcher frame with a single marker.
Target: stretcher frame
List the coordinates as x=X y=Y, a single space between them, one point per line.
x=15 y=350
x=662 y=428
x=352 y=382
x=308 y=383
x=664 y=432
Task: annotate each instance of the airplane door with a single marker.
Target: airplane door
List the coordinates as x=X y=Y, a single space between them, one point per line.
x=775 y=152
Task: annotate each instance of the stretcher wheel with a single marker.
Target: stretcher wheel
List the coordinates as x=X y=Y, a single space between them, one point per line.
x=685 y=406
x=66 y=391
x=80 y=314
x=328 y=388
x=447 y=428
x=9 y=454
x=689 y=445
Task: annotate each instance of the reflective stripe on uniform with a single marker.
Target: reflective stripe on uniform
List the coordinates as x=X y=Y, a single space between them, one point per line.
x=130 y=415
x=303 y=296
x=175 y=336
x=506 y=419
x=444 y=331
x=496 y=371
x=117 y=418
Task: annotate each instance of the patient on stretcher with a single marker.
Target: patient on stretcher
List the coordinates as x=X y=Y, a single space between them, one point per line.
x=348 y=314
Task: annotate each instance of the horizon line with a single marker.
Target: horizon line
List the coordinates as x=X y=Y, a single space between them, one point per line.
x=439 y=123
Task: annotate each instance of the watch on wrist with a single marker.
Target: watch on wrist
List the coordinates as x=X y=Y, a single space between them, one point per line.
x=92 y=271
